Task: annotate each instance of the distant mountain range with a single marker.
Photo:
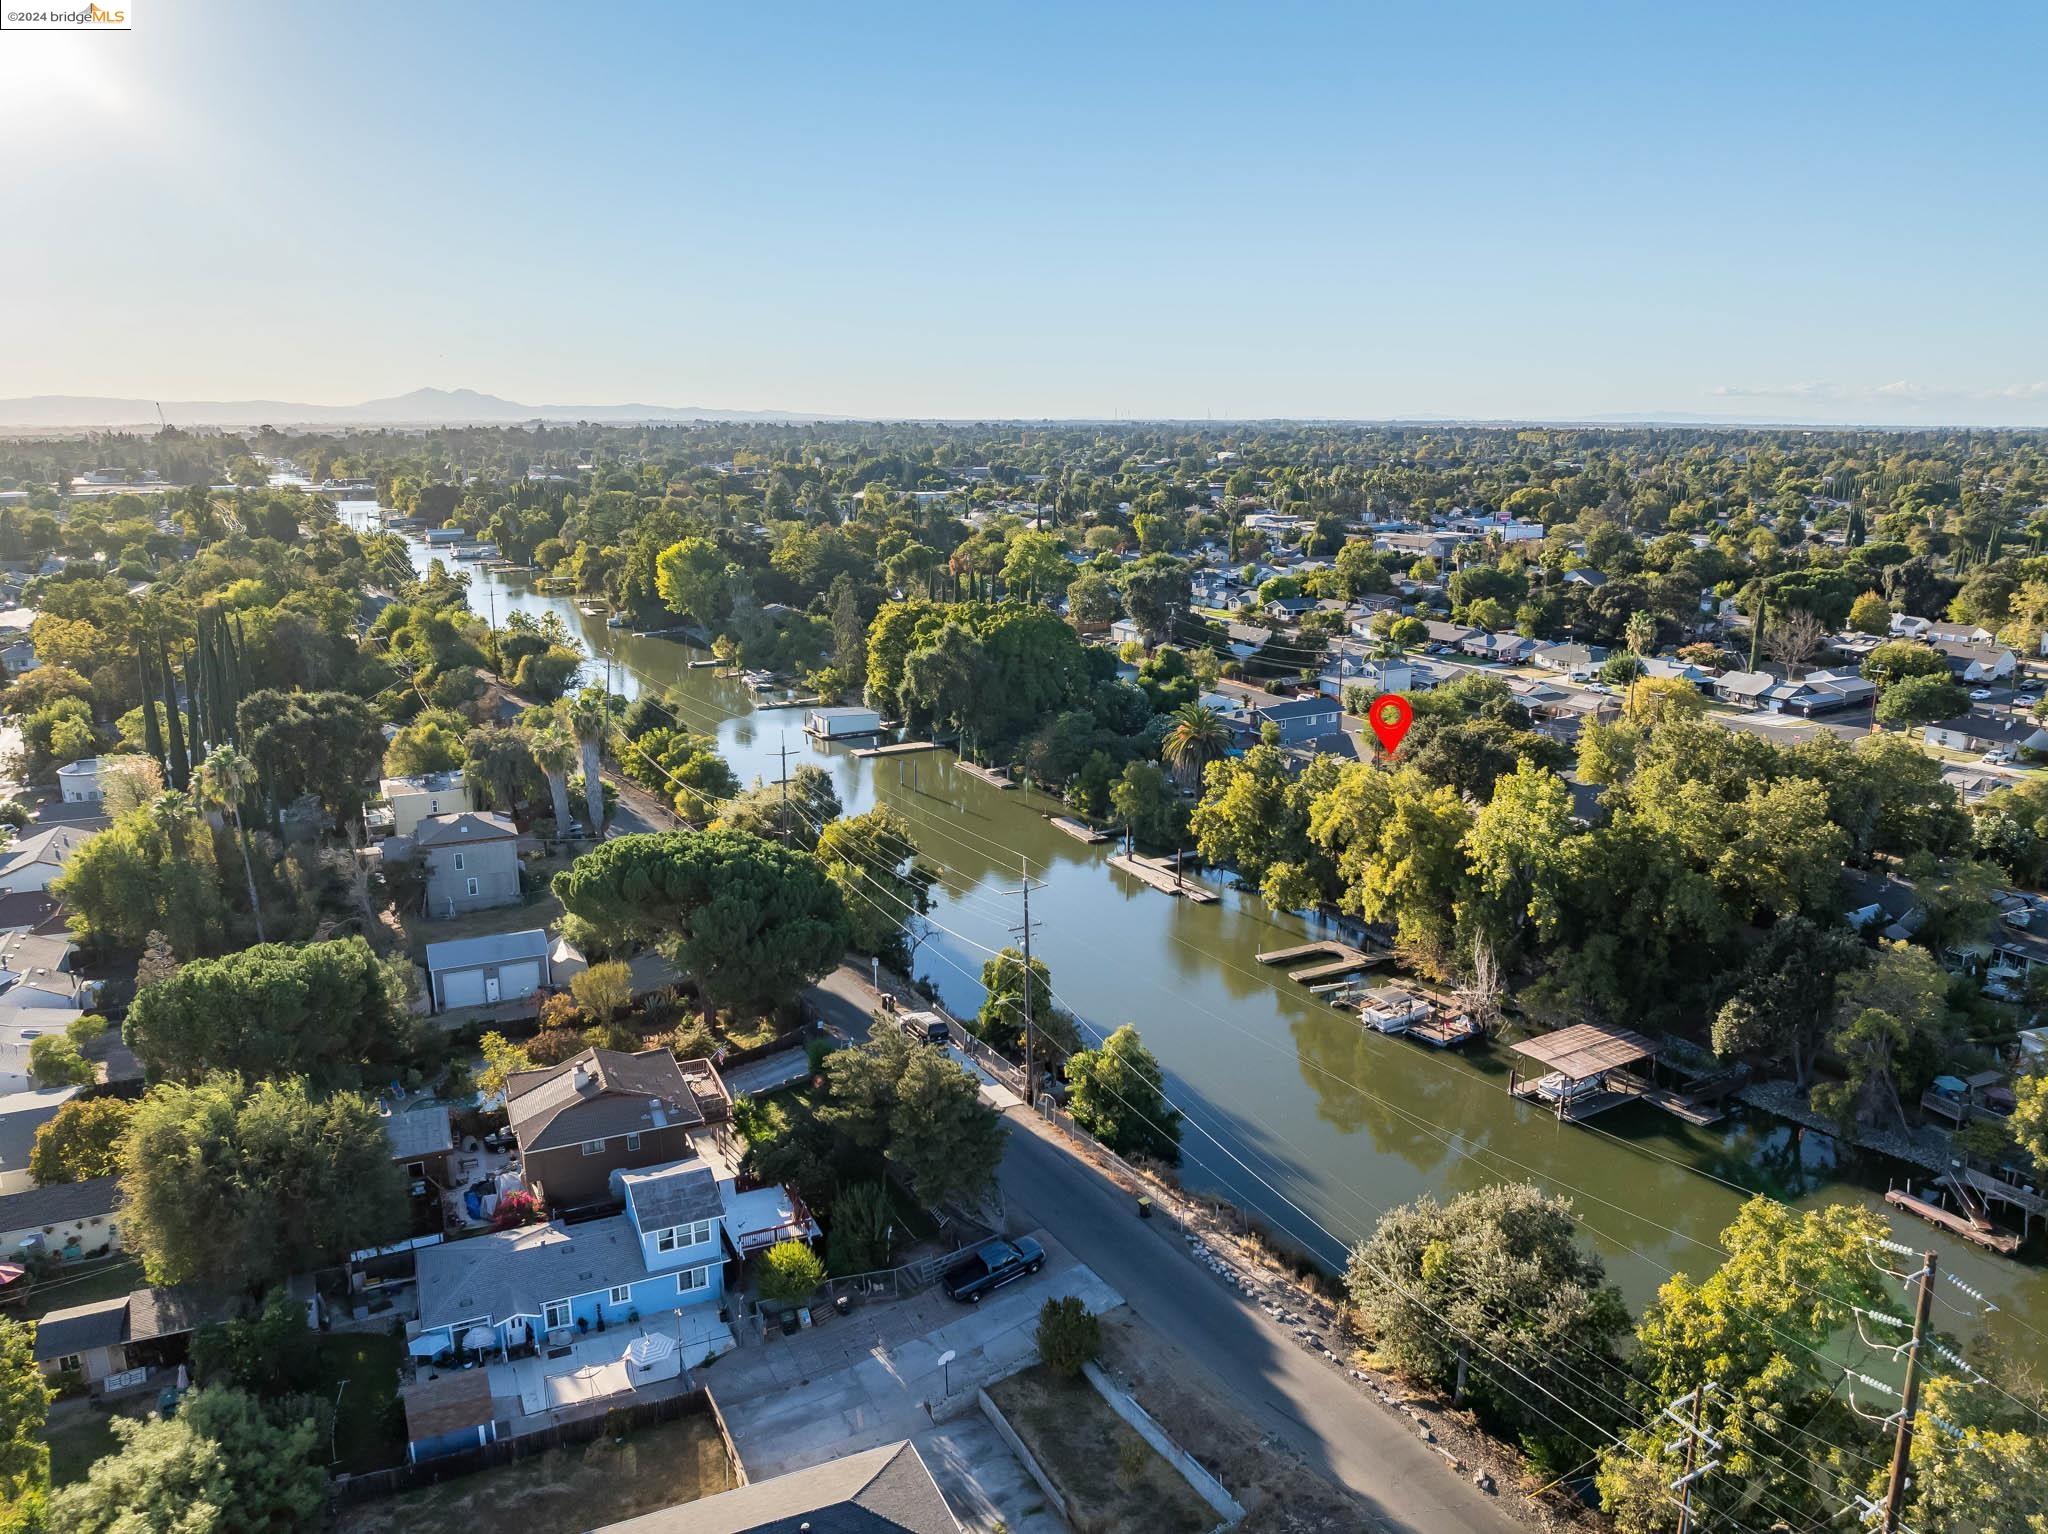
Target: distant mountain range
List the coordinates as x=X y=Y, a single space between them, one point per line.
x=422 y=407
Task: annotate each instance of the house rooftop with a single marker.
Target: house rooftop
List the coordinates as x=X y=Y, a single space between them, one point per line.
x=53 y=846
x=512 y=1272
x=490 y=948
x=424 y=783
x=58 y=1202
x=598 y=1093
x=680 y=1193
x=887 y=1490
x=419 y=1132
x=471 y=826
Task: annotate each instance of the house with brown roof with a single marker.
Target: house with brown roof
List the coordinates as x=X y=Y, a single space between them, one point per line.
x=599 y=1112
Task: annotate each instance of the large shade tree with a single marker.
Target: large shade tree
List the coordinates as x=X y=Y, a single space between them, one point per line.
x=749 y=921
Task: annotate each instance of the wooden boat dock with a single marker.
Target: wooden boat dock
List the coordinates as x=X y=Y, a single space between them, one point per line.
x=1080 y=831
x=1602 y=1068
x=1341 y=959
x=703 y=665
x=1160 y=874
x=989 y=775
x=1979 y=1232
x=897 y=748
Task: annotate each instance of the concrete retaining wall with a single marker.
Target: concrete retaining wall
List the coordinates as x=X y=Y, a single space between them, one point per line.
x=1206 y=1486
x=1008 y=1434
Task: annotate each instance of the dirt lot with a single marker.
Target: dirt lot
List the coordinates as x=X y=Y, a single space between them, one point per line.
x=1280 y=1494
x=564 y=1490
x=1112 y=1480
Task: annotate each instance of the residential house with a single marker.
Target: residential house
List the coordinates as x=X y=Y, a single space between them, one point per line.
x=1288 y=609
x=1822 y=692
x=1244 y=640
x=1352 y=666
x=1746 y=689
x=34 y=862
x=1216 y=588
x=128 y=1343
x=69 y=1221
x=484 y=971
x=1445 y=637
x=19 y=658
x=1666 y=669
x=1982 y=731
x=545 y=1285
x=1977 y=663
x=1300 y=719
x=1508 y=649
x=1572 y=659
x=1437 y=545
x=886 y=1490
x=2015 y=944
x=413 y=800
x=471 y=861
x=1126 y=631
x=600 y=1112
x=1883 y=903
x=1957 y=633
x=1586 y=576
x=1905 y=626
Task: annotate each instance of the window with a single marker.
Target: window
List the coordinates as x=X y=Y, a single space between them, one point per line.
x=633 y=1140
x=70 y=1363
x=458 y=862
x=415 y=1169
x=690 y=1280
x=555 y=1315
x=682 y=1237
x=472 y=887
x=621 y=1294
x=593 y=1147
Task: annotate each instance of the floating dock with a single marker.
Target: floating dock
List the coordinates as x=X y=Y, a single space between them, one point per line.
x=897 y=748
x=703 y=665
x=1340 y=959
x=1980 y=1232
x=1159 y=873
x=1076 y=829
x=989 y=775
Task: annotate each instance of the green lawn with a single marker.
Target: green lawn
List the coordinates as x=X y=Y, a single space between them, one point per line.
x=361 y=1370
x=106 y=1279
x=76 y=1443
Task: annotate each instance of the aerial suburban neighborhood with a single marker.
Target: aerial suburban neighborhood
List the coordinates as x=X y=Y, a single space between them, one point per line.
x=1206 y=854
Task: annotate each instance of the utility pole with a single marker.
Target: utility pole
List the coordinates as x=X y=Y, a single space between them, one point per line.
x=1694 y=1437
x=1030 y=1018
x=783 y=752
x=1895 y=1490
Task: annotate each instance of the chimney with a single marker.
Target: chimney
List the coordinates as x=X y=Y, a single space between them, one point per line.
x=584 y=1078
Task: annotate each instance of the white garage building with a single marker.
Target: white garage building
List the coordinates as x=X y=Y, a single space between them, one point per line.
x=484 y=971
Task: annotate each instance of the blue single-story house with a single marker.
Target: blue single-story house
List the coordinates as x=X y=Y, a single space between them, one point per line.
x=529 y=1286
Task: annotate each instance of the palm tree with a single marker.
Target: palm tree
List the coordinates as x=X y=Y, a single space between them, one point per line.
x=1639 y=633
x=589 y=717
x=554 y=753
x=223 y=781
x=1198 y=737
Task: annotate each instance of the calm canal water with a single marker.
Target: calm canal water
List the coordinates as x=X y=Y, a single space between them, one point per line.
x=1294 y=1110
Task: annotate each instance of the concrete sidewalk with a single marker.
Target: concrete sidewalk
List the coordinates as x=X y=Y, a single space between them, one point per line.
x=872 y=1377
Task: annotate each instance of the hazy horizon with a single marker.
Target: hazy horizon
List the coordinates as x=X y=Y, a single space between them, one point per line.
x=1827 y=217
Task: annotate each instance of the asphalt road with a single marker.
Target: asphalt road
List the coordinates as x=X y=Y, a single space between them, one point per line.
x=1298 y=1397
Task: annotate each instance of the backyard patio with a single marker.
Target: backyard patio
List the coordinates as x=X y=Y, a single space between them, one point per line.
x=628 y=1359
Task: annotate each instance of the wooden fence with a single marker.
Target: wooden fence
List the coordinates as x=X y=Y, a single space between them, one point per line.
x=367 y=1486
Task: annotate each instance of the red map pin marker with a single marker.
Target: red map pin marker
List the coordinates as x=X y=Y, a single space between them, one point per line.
x=1390 y=715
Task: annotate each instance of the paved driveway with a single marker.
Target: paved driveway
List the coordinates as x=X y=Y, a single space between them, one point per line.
x=874 y=1377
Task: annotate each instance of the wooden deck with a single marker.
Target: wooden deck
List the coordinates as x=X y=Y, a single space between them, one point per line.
x=1077 y=829
x=1341 y=959
x=1162 y=878
x=988 y=775
x=1990 y=1237
x=1443 y=1032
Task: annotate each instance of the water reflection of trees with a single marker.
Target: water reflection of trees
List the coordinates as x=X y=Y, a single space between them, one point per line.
x=1337 y=1050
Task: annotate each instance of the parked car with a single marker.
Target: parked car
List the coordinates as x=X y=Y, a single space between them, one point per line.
x=925 y=1027
x=2025 y=700
x=1980 y=694
x=990 y=1266
x=1998 y=756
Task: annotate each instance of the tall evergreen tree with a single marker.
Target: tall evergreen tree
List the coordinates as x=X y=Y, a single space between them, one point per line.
x=178 y=764
x=152 y=733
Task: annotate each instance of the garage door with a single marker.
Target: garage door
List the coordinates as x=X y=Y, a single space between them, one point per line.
x=516 y=980
x=462 y=988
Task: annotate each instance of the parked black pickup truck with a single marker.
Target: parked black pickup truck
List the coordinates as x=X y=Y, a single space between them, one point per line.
x=990 y=1266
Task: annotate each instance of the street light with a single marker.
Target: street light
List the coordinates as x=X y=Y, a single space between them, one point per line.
x=946 y=1367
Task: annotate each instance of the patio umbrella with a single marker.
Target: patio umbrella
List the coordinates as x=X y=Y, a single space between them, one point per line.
x=649 y=1348
x=9 y=1272
x=480 y=1339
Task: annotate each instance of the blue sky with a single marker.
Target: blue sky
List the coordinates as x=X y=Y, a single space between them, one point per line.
x=1793 y=212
